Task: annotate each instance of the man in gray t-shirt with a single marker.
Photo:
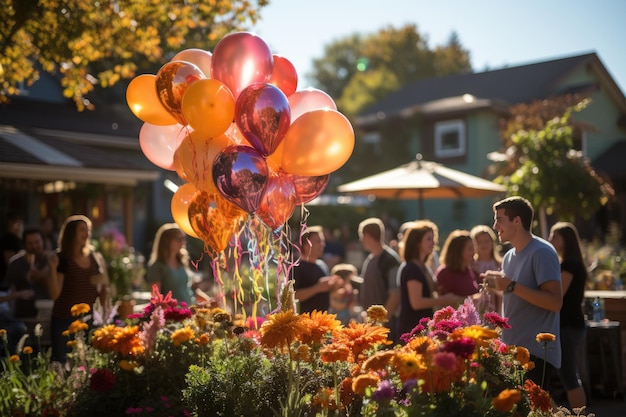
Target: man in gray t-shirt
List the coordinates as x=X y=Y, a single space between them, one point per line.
x=531 y=282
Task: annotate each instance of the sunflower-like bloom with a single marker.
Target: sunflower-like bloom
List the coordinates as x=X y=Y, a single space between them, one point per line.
x=545 y=337
x=182 y=335
x=360 y=337
x=409 y=365
x=364 y=381
x=539 y=399
x=379 y=360
x=334 y=353
x=77 y=326
x=506 y=400
x=319 y=324
x=422 y=345
x=78 y=309
x=282 y=329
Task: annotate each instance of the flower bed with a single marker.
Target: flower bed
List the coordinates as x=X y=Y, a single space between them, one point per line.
x=172 y=360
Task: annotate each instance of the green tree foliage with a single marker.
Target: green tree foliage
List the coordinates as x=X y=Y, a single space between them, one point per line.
x=541 y=164
x=361 y=69
x=98 y=43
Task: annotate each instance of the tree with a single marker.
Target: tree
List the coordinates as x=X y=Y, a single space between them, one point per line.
x=541 y=164
x=361 y=69
x=91 y=43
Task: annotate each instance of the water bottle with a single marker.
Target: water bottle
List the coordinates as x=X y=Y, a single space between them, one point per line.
x=598 y=309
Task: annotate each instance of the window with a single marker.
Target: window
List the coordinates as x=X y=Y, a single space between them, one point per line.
x=450 y=138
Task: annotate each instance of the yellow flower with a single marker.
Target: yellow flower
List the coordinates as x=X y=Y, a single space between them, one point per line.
x=545 y=337
x=506 y=400
x=182 y=335
x=377 y=314
x=27 y=350
x=409 y=365
x=71 y=343
x=480 y=334
x=302 y=354
x=78 y=309
x=282 y=329
x=77 y=326
x=128 y=365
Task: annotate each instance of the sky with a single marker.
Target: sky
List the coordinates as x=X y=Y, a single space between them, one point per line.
x=497 y=33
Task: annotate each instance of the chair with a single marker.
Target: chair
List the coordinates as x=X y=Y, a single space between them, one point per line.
x=603 y=337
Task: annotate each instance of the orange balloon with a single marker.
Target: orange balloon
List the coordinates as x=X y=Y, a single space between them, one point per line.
x=209 y=107
x=142 y=99
x=210 y=223
x=172 y=80
x=317 y=143
x=180 y=208
x=194 y=157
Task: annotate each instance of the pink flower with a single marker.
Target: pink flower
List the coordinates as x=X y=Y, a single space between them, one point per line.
x=445 y=360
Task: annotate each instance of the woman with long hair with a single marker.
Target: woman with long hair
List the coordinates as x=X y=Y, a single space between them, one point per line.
x=418 y=295
x=564 y=238
x=455 y=274
x=78 y=274
x=168 y=266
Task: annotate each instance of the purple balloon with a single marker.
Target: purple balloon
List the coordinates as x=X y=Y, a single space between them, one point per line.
x=263 y=116
x=240 y=175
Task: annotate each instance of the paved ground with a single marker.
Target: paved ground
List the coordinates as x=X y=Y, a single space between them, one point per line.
x=607 y=407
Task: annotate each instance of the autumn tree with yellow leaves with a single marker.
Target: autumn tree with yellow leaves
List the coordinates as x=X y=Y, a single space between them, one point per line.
x=98 y=43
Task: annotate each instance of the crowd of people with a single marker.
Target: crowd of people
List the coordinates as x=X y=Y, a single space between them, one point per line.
x=538 y=285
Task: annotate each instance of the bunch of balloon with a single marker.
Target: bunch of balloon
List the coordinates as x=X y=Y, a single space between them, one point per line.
x=247 y=146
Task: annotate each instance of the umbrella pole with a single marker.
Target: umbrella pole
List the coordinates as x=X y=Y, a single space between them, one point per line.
x=420 y=204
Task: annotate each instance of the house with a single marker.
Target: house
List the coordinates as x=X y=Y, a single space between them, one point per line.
x=56 y=161
x=454 y=120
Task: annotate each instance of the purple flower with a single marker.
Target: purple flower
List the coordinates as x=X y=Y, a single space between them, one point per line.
x=384 y=392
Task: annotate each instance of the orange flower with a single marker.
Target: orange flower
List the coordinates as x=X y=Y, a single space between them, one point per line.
x=78 y=309
x=128 y=365
x=103 y=338
x=362 y=382
x=334 y=353
x=27 y=350
x=77 y=326
x=203 y=339
x=318 y=325
x=128 y=342
x=539 y=399
x=522 y=355
x=506 y=400
x=379 y=360
x=3 y=332
x=302 y=354
x=182 y=335
x=14 y=358
x=480 y=334
x=360 y=337
x=545 y=337
x=282 y=329
x=408 y=365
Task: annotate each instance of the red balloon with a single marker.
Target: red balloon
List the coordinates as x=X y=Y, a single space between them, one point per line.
x=308 y=188
x=278 y=202
x=284 y=75
x=263 y=116
x=172 y=81
x=240 y=175
x=241 y=59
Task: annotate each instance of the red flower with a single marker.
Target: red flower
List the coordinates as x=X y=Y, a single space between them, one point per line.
x=102 y=380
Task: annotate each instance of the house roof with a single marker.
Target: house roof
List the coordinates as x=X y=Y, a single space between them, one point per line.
x=49 y=141
x=511 y=85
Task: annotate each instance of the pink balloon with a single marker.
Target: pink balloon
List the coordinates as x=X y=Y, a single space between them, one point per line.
x=284 y=75
x=172 y=81
x=199 y=57
x=240 y=175
x=159 y=143
x=263 y=116
x=308 y=100
x=308 y=188
x=278 y=202
x=241 y=59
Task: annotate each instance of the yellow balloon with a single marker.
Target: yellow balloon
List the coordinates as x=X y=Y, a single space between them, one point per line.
x=209 y=107
x=194 y=157
x=181 y=200
x=317 y=143
x=142 y=99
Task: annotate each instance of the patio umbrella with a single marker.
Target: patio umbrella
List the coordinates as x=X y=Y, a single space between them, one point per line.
x=421 y=180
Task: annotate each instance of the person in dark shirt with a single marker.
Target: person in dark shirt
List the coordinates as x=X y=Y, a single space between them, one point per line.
x=10 y=242
x=564 y=238
x=312 y=281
